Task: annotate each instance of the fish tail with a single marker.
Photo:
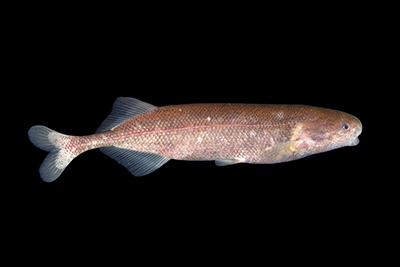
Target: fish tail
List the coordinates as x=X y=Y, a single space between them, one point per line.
x=55 y=143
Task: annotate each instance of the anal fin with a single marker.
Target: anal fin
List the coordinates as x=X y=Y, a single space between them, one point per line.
x=138 y=163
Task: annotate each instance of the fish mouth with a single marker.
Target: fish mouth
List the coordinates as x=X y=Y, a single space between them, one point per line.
x=354 y=142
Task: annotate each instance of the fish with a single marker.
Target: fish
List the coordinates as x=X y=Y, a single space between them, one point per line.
x=143 y=137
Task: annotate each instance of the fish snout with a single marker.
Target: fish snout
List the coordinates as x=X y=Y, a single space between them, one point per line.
x=358 y=126
x=358 y=131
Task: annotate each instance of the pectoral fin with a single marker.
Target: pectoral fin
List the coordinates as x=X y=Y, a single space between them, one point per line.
x=287 y=151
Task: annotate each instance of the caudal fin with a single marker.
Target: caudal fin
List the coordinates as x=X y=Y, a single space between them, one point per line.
x=58 y=158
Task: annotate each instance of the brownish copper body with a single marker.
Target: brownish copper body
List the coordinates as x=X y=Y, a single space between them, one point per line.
x=143 y=137
x=240 y=132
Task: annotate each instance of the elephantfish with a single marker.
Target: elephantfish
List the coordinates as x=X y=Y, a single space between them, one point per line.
x=143 y=137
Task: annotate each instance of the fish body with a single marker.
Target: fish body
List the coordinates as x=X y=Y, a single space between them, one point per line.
x=143 y=137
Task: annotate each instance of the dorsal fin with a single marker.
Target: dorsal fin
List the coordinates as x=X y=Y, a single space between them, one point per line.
x=123 y=109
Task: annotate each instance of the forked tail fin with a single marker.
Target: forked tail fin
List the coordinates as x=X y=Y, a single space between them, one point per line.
x=55 y=143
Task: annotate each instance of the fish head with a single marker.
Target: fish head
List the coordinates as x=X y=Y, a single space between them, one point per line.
x=331 y=129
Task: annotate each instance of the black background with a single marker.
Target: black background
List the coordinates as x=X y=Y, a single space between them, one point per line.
x=78 y=72
x=75 y=67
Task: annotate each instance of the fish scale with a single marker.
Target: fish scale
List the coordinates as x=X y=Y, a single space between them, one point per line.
x=143 y=137
x=220 y=127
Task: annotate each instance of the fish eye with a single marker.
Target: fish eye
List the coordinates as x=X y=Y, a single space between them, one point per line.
x=346 y=126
